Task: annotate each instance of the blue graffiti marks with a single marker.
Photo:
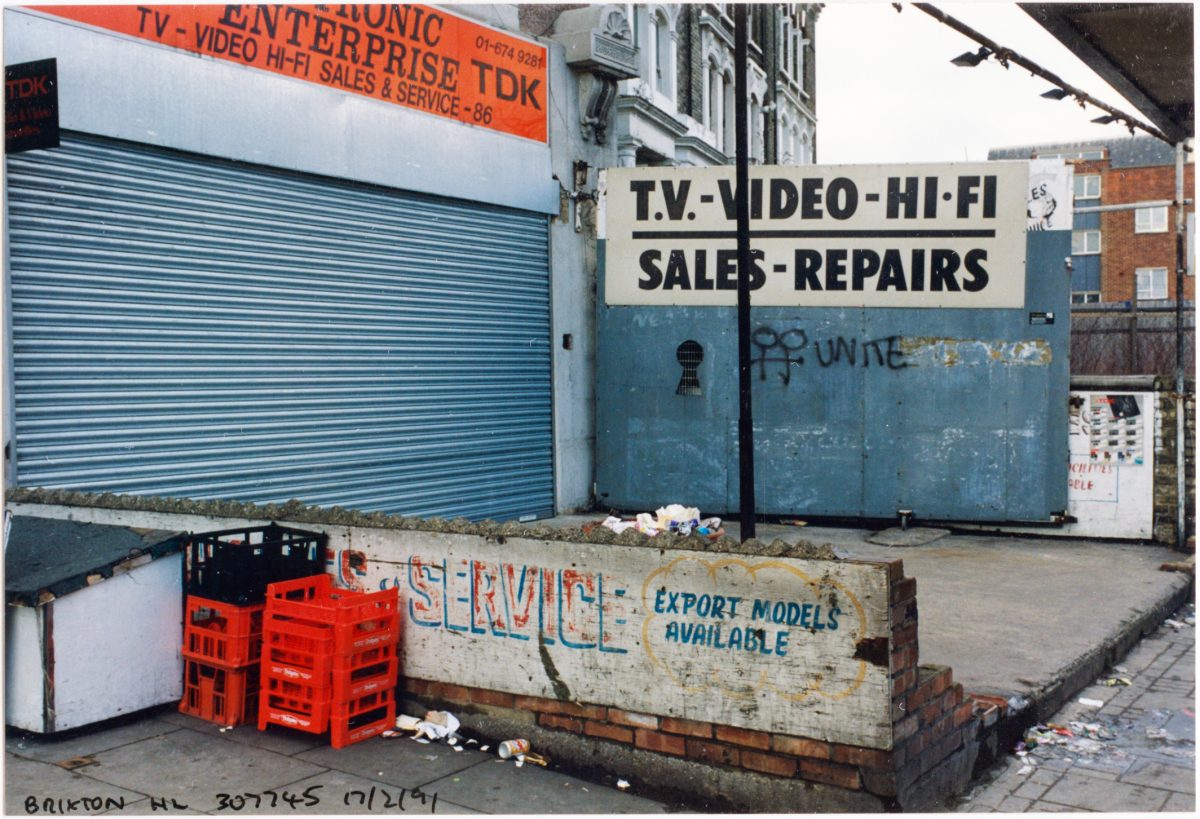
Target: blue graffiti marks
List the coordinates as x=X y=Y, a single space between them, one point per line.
x=787 y=349
x=582 y=610
x=714 y=621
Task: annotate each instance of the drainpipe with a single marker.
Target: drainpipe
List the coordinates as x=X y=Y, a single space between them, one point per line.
x=1180 y=404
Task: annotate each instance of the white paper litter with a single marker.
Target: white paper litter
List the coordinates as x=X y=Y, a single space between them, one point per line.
x=622 y=784
x=1090 y=702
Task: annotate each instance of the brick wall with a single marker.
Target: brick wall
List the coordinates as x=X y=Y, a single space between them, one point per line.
x=931 y=720
x=1123 y=250
x=1166 y=487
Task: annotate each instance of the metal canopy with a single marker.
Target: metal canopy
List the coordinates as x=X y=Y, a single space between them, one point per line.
x=1144 y=50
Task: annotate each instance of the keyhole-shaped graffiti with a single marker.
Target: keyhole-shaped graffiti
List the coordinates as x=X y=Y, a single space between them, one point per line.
x=689 y=354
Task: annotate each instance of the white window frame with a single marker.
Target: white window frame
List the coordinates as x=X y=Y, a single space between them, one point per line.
x=1085 y=297
x=1082 y=183
x=1148 y=279
x=1085 y=246
x=1150 y=220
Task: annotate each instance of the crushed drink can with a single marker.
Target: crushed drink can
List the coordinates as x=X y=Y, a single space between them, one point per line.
x=513 y=747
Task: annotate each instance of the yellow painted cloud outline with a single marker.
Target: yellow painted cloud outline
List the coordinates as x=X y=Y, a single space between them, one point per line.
x=762 y=682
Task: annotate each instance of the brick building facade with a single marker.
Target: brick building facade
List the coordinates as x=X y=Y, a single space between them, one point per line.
x=1139 y=246
x=1117 y=255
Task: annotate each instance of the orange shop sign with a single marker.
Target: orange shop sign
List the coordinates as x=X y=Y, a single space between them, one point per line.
x=416 y=56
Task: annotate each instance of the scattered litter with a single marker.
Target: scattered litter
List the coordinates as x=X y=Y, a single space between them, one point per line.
x=674 y=518
x=794 y=522
x=1112 y=681
x=536 y=759
x=585 y=790
x=622 y=784
x=1025 y=770
x=430 y=757
x=1120 y=669
x=1175 y=624
x=390 y=734
x=472 y=742
x=457 y=748
x=421 y=740
x=437 y=725
x=406 y=723
x=484 y=747
x=1159 y=733
x=1090 y=702
x=520 y=762
x=1018 y=703
x=1091 y=730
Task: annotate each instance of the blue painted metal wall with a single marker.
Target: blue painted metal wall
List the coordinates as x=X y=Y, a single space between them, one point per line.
x=954 y=414
x=192 y=327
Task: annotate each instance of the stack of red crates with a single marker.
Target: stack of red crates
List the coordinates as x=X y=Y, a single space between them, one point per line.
x=222 y=645
x=329 y=659
x=226 y=574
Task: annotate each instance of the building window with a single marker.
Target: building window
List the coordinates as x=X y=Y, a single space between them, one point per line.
x=728 y=116
x=1085 y=297
x=785 y=37
x=716 y=97
x=658 y=53
x=1150 y=220
x=1087 y=186
x=1151 y=283
x=1085 y=242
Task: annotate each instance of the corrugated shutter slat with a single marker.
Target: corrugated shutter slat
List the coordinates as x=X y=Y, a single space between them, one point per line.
x=191 y=327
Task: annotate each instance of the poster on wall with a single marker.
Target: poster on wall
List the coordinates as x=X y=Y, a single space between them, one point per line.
x=1110 y=489
x=1049 y=197
x=1114 y=428
x=31 y=106
x=950 y=235
x=419 y=57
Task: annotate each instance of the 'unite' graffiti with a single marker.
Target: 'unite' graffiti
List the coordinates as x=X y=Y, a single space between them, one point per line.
x=787 y=349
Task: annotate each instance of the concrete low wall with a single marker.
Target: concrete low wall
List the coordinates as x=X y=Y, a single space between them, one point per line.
x=748 y=659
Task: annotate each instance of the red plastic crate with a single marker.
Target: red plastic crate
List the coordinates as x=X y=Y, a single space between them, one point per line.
x=362 y=718
x=221 y=695
x=222 y=634
x=292 y=705
x=284 y=662
x=353 y=684
x=358 y=635
x=315 y=599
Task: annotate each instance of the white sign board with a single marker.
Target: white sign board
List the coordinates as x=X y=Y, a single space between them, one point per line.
x=820 y=236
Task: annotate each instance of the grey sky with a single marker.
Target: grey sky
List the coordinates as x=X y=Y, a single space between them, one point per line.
x=887 y=92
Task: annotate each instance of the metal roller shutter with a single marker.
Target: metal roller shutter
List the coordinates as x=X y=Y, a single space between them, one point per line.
x=190 y=327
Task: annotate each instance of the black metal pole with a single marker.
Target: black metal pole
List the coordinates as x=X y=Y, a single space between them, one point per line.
x=741 y=139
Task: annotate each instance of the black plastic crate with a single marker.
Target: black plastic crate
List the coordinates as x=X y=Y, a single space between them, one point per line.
x=236 y=565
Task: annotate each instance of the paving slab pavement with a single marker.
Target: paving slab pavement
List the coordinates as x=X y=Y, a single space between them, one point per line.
x=1135 y=752
x=164 y=762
